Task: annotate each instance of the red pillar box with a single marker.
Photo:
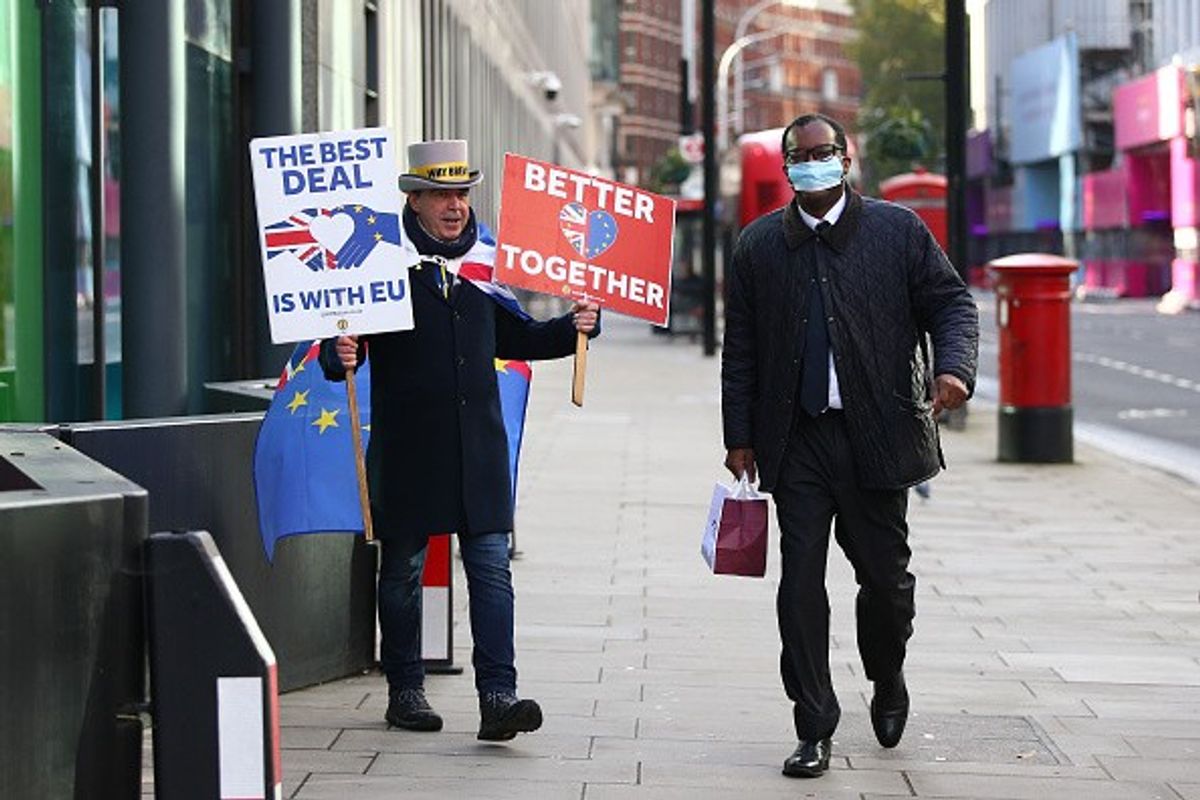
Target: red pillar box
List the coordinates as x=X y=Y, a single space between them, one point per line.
x=1033 y=311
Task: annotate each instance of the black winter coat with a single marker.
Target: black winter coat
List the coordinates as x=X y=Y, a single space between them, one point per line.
x=885 y=283
x=437 y=461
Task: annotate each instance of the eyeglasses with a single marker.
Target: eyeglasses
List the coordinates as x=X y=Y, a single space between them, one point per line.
x=822 y=152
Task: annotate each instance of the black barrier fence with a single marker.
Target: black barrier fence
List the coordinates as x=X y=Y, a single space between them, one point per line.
x=72 y=665
x=216 y=706
x=315 y=603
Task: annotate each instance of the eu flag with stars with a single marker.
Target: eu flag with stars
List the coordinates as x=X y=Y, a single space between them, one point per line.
x=602 y=232
x=304 y=475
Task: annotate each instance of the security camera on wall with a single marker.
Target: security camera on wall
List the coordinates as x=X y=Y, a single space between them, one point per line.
x=549 y=83
x=551 y=86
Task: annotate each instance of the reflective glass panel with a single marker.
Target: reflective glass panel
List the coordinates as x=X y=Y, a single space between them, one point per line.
x=8 y=357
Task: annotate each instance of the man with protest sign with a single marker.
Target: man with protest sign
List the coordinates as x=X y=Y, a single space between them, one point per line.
x=438 y=456
x=827 y=397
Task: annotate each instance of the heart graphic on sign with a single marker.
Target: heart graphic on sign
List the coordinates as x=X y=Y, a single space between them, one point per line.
x=332 y=232
x=589 y=233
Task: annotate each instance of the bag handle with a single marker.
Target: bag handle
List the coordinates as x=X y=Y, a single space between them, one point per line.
x=743 y=490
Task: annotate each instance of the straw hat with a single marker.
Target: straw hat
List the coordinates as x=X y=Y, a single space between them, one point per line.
x=440 y=164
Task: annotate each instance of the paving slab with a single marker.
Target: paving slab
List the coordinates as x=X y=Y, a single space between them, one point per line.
x=500 y=764
x=298 y=762
x=1182 y=768
x=786 y=790
x=388 y=787
x=748 y=780
x=1020 y=787
x=1187 y=791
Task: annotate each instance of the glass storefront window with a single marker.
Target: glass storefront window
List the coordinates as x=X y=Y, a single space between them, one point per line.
x=111 y=121
x=209 y=195
x=8 y=356
x=107 y=310
x=66 y=154
x=81 y=221
x=209 y=27
x=84 y=163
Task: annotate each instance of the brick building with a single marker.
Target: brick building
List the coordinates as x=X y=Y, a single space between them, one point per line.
x=650 y=38
x=801 y=66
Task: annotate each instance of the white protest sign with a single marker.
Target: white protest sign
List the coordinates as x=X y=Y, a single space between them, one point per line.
x=329 y=227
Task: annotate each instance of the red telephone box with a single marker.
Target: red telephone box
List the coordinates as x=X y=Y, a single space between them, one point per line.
x=923 y=192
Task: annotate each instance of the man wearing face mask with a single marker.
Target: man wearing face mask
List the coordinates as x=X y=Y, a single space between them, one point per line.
x=829 y=398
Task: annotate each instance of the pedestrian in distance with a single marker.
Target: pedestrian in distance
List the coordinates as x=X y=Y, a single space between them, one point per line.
x=437 y=461
x=828 y=399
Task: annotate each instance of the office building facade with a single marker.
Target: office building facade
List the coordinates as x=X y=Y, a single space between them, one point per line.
x=127 y=228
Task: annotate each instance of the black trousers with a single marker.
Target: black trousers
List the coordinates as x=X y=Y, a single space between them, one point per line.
x=817 y=486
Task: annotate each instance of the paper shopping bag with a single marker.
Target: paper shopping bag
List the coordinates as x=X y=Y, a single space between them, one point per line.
x=735 y=538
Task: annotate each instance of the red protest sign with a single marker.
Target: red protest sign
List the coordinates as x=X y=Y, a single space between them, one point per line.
x=571 y=234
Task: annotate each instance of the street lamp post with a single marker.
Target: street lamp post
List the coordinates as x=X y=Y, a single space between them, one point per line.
x=743 y=24
x=732 y=55
x=708 y=256
x=727 y=58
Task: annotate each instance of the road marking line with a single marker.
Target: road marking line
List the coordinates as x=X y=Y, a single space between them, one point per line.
x=1133 y=369
x=1152 y=413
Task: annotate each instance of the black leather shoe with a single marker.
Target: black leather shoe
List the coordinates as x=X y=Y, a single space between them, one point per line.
x=889 y=709
x=809 y=760
x=502 y=716
x=408 y=709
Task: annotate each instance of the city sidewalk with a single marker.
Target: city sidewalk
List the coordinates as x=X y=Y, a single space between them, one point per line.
x=1055 y=655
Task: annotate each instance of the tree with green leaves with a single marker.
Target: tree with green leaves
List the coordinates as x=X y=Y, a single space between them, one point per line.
x=900 y=47
x=668 y=172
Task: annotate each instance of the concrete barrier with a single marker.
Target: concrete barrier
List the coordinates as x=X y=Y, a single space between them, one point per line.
x=72 y=642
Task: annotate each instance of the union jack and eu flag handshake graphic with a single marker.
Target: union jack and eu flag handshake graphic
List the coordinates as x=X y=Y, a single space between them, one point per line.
x=307 y=233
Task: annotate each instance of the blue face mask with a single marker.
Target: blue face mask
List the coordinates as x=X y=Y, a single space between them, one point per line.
x=813 y=176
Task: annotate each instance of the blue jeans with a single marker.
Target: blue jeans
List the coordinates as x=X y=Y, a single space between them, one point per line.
x=490 y=592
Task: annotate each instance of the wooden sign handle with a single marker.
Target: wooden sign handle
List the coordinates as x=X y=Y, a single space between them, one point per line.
x=360 y=467
x=581 y=348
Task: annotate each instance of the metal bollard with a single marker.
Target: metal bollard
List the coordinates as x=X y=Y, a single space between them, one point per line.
x=214 y=682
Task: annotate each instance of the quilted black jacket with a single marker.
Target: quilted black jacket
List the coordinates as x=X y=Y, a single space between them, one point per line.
x=884 y=282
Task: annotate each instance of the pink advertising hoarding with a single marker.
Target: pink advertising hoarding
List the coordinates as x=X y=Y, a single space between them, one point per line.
x=1185 y=177
x=1149 y=109
x=1105 y=203
x=1148 y=186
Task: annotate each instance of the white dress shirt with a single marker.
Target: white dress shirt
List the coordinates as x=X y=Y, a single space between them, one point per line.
x=831 y=216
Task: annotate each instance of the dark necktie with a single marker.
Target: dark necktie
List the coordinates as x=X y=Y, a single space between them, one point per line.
x=814 y=369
